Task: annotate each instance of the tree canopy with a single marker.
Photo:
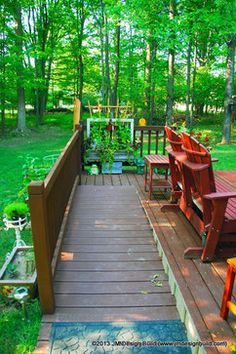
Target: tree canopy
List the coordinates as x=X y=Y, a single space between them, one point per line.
x=153 y=55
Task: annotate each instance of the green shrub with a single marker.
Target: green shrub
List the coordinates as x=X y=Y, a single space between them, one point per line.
x=15 y=210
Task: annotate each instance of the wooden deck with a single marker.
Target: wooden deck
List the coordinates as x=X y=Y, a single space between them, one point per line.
x=108 y=259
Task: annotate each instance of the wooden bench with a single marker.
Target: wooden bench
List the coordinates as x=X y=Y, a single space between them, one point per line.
x=207 y=202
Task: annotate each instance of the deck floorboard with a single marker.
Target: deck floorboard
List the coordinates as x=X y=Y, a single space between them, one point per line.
x=108 y=260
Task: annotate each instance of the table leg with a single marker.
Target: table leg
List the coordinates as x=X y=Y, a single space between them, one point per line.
x=145 y=178
x=166 y=178
x=150 y=182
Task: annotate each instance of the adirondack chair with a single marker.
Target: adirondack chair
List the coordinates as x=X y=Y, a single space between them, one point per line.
x=176 y=157
x=209 y=205
x=176 y=154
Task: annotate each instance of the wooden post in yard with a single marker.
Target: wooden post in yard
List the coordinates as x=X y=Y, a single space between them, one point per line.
x=77 y=112
x=41 y=245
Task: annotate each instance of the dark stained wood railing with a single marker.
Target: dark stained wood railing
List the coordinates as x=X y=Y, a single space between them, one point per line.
x=154 y=136
x=48 y=201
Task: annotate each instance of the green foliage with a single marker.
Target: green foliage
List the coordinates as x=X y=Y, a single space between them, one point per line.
x=107 y=138
x=34 y=169
x=12 y=270
x=18 y=335
x=59 y=55
x=16 y=210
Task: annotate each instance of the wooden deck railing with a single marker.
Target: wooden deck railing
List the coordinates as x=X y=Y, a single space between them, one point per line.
x=48 y=201
x=155 y=137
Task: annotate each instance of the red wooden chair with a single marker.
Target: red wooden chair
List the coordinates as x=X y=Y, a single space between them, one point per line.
x=227 y=304
x=209 y=206
x=176 y=156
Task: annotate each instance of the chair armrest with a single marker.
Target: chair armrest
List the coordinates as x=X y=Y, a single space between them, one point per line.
x=196 y=166
x=220 y=195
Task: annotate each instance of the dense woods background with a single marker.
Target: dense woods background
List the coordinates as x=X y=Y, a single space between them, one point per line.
x=150 y=54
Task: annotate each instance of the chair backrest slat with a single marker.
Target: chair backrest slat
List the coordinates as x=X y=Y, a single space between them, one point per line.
x=174 y=139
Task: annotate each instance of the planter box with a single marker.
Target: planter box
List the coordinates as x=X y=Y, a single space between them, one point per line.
x=120 y=156
x=26 y=277
x=116 y=168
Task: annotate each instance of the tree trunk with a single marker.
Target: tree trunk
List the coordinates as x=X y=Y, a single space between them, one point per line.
x=170 y=87
x=153 y=82
x=40 y=94
x=80 y=45
x=2 y=119
x=21 y=116
x=131 y=69
x=147 y=81
x=107 y=64
x=193 y=84
x=3 y=79
x=113 y=92
x=171 y=56
x=226 y=135
x=150 y=84
x=101 y=34
x=188 y=83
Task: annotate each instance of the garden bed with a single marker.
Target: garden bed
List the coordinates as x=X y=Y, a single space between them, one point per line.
x=18 y=270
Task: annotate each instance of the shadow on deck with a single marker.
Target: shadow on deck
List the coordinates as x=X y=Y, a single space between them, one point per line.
x=109 y=257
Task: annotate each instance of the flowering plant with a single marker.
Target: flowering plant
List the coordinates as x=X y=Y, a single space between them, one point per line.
x=203 y=139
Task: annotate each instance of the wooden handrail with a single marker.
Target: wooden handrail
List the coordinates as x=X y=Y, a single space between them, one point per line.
x=48 y=201
x=150 y=131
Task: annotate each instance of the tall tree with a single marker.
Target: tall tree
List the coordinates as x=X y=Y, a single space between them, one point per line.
x=21 y=115
x=114 y=88
x=229 y=88
x=44 y=26
x=2 y=68
x=171 y=56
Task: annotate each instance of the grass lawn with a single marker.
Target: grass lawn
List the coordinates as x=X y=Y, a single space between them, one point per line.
x=18 y=335
x=13 y=153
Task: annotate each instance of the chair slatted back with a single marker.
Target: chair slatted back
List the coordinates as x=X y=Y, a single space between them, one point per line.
x=174 y=139
x=198 y=154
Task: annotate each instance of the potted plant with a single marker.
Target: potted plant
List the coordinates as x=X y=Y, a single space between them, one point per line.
x=15 y=215
x=18 y=271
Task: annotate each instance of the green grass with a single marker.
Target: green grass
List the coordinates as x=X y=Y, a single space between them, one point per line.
x=13 y=153
x=18 y=335
x=212 y=127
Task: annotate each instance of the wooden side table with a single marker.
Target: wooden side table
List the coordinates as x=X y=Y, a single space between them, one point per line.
x=159 y=162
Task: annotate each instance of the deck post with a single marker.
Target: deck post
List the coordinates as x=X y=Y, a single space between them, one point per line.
x=41 y=245
x=80 y=150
